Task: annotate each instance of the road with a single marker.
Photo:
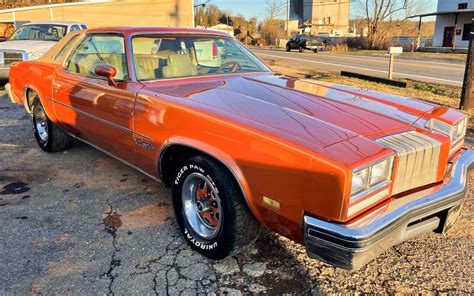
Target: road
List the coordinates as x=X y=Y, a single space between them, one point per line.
x=445 y=72
x=80 y=222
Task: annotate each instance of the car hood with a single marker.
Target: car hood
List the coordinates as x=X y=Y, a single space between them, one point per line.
x=27 y=45
x=316 y=112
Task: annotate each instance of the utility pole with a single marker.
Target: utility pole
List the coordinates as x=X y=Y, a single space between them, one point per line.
x=467 y=95
x=287 y=18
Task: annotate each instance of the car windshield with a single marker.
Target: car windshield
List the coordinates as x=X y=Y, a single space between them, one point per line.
x=47 y=32
x=161 y=57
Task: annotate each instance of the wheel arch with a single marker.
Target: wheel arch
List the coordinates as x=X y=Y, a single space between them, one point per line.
x=26 y=90
x=179 y=147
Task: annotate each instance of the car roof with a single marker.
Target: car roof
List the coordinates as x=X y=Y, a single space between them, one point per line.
x=65 y=23
x=158 y=30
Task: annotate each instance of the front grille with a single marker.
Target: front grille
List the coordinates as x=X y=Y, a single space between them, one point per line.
x=418 y=159
x=10 y=57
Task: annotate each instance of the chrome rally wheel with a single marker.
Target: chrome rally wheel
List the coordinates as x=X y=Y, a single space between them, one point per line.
x=210 y=208
x=48 y=136
x=201 y=205
x=41 y=124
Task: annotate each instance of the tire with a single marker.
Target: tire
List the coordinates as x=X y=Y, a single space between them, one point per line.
x=210 y=209
x=315 y=51
x=48 y=136
x=301 y=48
x=288 y=48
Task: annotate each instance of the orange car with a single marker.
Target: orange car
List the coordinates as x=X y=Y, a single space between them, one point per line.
x=344 y=171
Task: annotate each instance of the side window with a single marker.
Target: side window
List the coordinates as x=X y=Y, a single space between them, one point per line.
x=75 y=28
x=83 y=27
x=98 y=49
x=60 y=55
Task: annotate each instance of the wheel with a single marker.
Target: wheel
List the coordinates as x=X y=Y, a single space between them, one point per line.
x=48 y=136
x=315 y=50
x=288 y=47
x=210 y=209
x=301 y=48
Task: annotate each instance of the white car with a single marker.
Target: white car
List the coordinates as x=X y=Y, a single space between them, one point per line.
x=30 y=41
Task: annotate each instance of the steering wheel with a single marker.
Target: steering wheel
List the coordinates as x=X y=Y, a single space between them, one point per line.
x=234 y=66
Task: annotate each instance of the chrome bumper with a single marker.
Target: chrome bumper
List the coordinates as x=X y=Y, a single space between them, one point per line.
x=351 y=246
x=12 y=97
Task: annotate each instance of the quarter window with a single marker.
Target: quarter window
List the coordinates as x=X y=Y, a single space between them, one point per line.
x=99 y=49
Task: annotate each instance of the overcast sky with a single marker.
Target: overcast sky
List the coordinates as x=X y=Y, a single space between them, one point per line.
x=250 y=8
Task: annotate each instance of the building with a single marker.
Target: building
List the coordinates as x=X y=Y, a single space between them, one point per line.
x=105 y=13
x=453 y=23
x=223 y=28
x=321 y=16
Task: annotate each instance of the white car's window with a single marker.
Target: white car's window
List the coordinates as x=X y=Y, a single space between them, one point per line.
x=60 y=55
x=160 y=57
x=47 y=32
x=75 y=28
x=98 y=49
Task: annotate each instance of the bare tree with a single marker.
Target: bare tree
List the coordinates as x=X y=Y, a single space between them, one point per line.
x=272 y=28
x=381 y=15
x=273 y=9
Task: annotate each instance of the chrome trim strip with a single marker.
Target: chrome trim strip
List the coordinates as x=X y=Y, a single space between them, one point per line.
x=356 y=232
x=101 y=119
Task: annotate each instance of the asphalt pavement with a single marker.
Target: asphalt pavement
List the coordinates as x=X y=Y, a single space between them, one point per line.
x=442 y=71
x=80 y=222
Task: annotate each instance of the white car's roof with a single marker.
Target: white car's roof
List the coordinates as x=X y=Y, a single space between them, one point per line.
x=65 y=23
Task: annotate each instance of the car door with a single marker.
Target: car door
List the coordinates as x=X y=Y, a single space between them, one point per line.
x=87 y=105
x=295 y=41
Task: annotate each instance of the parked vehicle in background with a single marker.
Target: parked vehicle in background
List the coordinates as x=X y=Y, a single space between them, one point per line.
x=346 y=172
x=30 y=41
x=304 y=42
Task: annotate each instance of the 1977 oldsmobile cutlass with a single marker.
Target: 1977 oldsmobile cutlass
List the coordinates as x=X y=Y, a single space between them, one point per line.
x=344 y=171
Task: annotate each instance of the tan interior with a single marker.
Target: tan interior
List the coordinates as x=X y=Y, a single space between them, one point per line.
x=86 y=64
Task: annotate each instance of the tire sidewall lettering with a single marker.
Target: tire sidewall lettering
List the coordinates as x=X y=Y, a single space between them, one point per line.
x=189 y=235
x=197 y=243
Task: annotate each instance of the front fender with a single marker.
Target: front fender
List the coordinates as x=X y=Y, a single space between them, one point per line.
x=221 y=156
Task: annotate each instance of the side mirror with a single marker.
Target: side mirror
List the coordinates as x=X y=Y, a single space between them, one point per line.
x=108 y=72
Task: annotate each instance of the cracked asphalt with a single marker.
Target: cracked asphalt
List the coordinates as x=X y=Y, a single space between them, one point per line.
x=80 y=222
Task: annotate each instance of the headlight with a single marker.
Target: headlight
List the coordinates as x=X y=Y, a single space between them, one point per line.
x=34 y=55
x=359 y=181
x=379 y=173
x=367 y=179
x=454 y=132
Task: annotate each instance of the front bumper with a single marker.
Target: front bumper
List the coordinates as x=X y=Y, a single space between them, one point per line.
x=11 y=95
x=351 y=246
